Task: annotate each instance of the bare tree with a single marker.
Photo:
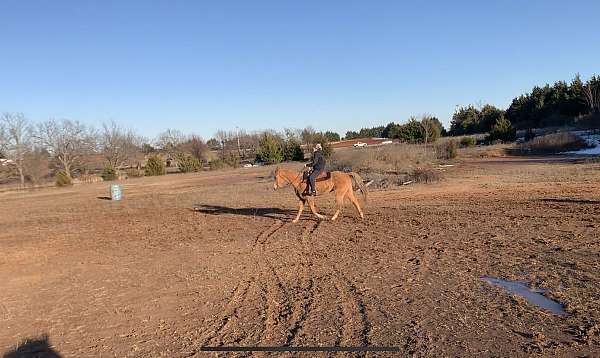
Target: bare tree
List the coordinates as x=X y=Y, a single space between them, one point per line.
x=426 y=128
x=293 y=133
x=67 y=141
x=36 y=165
x=223 y=138
x=196 y=146
x=119 y=145
x=429 y=128
x=308 y=137
x=16 y=133
x=592 y=96
x=169 y=140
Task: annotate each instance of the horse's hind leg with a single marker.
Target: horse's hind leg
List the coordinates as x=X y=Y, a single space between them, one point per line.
x=311 y=204
x=339 y=199
x=299 y=212
x=355 y=203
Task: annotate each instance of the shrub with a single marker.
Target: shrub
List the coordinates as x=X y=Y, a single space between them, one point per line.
x=292 y=151
x=35 y=166
x=62 y=179
x=553 y=143
x=410 y=132
x=468 y=141
x=447 y=150
x=216 y=164
x=232 y=160
x=187 y=163
x=155 y=166
x=109 y=173
x=424 y=175
x=269 y=149
x=134 y=173
x=502 y=130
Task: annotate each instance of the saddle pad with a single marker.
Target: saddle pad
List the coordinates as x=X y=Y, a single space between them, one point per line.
x=324 y=176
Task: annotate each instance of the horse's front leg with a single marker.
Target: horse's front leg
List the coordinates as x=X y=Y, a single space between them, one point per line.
x=299 y=212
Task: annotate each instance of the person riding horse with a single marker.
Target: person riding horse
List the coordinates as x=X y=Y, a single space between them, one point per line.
x=317 y=165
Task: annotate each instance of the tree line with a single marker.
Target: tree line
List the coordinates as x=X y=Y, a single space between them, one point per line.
x=557 y=105
x=70 y=148
x=561 y=104
x=425 y=129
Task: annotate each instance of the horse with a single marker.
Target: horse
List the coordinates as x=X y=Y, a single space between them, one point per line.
x=336 y=181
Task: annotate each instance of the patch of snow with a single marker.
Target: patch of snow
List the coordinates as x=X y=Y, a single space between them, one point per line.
x=593 y=140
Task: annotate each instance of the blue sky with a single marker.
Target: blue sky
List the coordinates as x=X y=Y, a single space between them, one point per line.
x=199 y=66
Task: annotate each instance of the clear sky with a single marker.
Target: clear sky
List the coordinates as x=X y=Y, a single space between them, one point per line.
x=199 y=66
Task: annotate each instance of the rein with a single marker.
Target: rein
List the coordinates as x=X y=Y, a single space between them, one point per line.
x=291 y=181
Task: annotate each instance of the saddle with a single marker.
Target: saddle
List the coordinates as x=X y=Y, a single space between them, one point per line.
x=323 y=176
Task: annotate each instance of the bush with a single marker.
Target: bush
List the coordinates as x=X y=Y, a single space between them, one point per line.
x=187 y=163
x=232 y=160
x=270 y=149
x=553 y=143
x=468 y=141
x=502 y=130
x=62 y=179
x=216 y=164
x=109 y=173
x=447 y=150
x=134 y=173
x=410 y=132
x=292 y=151
x=35 y=166
x=424 y=175
x=155 y=166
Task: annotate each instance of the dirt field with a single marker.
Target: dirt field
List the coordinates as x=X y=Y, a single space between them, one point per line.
x=151 y=276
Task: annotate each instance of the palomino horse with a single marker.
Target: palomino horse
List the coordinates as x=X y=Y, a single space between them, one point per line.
x=339 y=182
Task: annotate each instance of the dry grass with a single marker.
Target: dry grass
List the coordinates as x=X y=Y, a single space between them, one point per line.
x=552 y=143
x=424 y=175
x=389 y=165
x=396 y=159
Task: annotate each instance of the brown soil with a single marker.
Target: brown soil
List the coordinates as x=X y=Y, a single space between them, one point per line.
x=213 y=259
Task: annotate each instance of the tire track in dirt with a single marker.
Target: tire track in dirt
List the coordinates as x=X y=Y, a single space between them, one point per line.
x=221 y=325
x=355 y=325
x=276 y=298
x=302 y=304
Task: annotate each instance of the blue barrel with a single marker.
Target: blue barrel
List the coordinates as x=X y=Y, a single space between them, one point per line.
x=116 y=192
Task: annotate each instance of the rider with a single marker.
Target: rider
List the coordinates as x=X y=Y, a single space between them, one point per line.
x=317 y=165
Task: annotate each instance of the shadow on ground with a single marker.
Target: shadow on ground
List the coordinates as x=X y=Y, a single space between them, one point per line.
x=275 y=213
x=33 y=348
x=571 y=201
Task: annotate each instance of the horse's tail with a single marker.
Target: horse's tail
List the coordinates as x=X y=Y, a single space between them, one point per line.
x=361 y=185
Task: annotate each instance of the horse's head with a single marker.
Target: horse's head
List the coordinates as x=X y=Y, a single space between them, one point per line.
x=279 y=179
